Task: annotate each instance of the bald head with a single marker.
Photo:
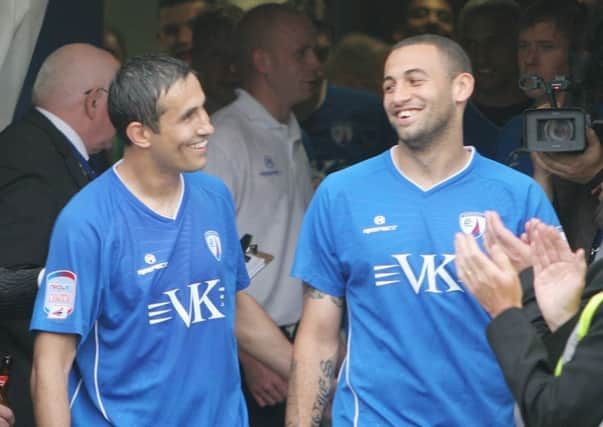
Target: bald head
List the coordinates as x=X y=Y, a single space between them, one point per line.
x=259 y=27
x=69 y=72
x=73 y=84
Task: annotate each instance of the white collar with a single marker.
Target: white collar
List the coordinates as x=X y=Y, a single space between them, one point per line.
x=254 y=110
x=66 y=130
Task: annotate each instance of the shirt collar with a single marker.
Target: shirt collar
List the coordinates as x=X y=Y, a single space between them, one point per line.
x=66 y=130
x=257 y=112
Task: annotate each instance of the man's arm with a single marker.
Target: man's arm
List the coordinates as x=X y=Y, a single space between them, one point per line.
x=53 y=357
x=315 y=355
x=259 y=336
x=267 y=387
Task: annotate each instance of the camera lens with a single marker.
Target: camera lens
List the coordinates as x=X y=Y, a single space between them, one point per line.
x=558 y=130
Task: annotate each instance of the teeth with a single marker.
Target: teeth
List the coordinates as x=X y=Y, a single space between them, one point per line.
x=198 y=145
x=404 y=114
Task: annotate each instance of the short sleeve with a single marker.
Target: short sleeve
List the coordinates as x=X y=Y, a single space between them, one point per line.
x=70 y=293
x=316 y=259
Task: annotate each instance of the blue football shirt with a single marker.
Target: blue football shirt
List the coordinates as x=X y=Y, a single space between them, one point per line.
x=152 y=302
x=417 y=353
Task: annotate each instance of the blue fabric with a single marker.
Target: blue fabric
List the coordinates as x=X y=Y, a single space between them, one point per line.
x=350 y=126
x=417 y=350
x=509 y=147
x=479 y=131
x=154 y=306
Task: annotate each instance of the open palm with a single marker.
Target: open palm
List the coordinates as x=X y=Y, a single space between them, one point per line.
x=558 y=275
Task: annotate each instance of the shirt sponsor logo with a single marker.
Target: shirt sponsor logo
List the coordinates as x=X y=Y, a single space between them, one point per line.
x=432 y=275
x=379 y=221
x=59 y=300
x=204 y=300
x=212 y=238
x=473 y=223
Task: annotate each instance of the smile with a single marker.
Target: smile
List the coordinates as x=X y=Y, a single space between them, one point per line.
x=198 y=145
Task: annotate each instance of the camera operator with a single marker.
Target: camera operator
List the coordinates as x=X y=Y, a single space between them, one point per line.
x=552 y=43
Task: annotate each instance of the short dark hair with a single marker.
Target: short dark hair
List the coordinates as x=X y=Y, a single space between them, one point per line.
x=568 y=16
x=458 y=61
x=135 y=91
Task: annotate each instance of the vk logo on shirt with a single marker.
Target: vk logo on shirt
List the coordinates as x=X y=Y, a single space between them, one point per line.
x=432 y=271
x=200 y=307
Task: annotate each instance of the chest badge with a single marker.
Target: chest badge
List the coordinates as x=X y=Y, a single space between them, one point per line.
x=212 y=238
x=473 y=223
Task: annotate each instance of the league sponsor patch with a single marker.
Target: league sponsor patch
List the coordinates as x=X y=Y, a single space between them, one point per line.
x=212 y=238
x=59 y=300
x=473 y=223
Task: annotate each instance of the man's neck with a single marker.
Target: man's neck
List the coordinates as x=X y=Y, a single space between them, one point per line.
x=281 y=111
x=159 y=191
x=434 y=163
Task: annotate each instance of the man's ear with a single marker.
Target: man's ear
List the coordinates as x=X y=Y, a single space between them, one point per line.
x=138 y=134
x=261 y=60
x=462 y=87
x=92 y=103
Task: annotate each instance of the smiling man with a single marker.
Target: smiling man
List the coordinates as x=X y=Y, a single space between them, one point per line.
x=135 y=318
x=379 y=237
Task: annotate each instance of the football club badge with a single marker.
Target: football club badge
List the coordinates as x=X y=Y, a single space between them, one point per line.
x=213 y=244
x=342 y=133
x=473 y=223
x=59 y=300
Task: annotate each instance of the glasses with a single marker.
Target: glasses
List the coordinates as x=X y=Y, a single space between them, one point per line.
x=102 y=89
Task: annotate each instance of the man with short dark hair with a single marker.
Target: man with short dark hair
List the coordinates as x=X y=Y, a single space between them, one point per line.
x=135 y=318
x=176 y=18
x=487 y=30
x=426 y=17
x=379 y=237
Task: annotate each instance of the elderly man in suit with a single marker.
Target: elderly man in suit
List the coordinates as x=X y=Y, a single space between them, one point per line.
x=43 y=163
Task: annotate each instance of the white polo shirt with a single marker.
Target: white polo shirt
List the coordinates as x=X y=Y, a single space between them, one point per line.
x=264 y=164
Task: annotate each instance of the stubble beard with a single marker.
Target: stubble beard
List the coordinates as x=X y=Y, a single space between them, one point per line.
x=423 y=138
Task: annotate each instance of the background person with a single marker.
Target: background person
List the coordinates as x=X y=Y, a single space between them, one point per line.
x=549 y=392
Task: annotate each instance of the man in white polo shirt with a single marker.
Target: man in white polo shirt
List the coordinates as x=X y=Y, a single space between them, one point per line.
x=257 y=150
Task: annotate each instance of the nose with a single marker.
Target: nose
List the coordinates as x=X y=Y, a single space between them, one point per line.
x=313 y=62
x=205 y=127
x=399 y=95
x=433 y=17
x=185 y=34
x=530 y=55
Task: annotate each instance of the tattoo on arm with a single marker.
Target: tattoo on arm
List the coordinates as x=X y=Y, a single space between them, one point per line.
x=325 y=388
x=314 y=293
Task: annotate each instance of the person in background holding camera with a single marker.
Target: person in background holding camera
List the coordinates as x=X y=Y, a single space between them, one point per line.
x=551 y=44
x=551 y=389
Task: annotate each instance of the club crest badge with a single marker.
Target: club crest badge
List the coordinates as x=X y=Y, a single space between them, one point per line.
x=213 y=244
x=473 y=223
x=59 y=300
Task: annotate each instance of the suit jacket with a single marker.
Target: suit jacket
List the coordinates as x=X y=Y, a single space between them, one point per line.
x=39 y=173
